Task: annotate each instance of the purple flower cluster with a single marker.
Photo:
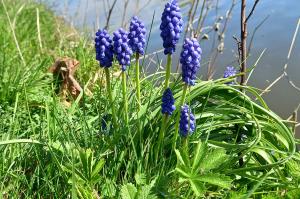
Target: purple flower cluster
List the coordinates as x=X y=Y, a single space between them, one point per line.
x=122 y=49
x=171 y=26
x=190 y=58
x=168 y=102
x=187 y=123
x=104 y=48
x=137 y=35
x=229 y=72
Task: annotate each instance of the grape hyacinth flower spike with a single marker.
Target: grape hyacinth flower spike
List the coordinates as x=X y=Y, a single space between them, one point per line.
x=168 y=102
x=123 y=53
x=229 y=72
x=190 y=58
x=104 y=48
x=104 y=54
x=187 y=121
x=137 y=41
x=137 y=35
x=171 y=27
x=121 y=48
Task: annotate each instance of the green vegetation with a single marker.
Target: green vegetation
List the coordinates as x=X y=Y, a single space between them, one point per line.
x=51 y=151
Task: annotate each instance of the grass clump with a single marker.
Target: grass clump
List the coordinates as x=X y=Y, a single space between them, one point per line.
x=50 y=151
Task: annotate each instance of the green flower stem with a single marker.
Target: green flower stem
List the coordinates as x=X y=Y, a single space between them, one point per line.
x=161 y=134
x=109 y=92
x=185 y=145
x=168 y=71
x=137 y=80
x=125 y=97
x=185 y=87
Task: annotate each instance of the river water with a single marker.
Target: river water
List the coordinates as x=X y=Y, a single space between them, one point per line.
x=274 y=35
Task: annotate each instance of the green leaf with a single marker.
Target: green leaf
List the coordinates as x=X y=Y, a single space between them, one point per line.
x=213 y=159
x=197 y=187
x=140 y=179
x=179 y=157
x=128 y=191
x=215 y=179
x=200 y=152
x=98 y=167
x=183 y=171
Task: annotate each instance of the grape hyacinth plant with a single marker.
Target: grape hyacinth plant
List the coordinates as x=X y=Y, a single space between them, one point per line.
x=123 y=53
x=229 y=72
x=171 y=27
x=190 y=58
x=104 y=54
x=137 y=41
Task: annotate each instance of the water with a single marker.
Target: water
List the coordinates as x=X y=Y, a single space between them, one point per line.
x=275 y=35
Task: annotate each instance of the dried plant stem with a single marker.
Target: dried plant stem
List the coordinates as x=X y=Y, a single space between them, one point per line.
x=14 y=34
x=243 y=42
x=109 y=14
x=38 y=27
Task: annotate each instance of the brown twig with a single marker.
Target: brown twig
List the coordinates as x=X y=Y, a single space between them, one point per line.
x=124 y=13
x=252 y=10
x=109 y=14
x=253 y=34
x=243 y=42
x=221 y=36
x=284 y=72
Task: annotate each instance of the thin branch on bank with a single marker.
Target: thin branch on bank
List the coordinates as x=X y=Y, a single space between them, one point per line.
x=109 y=14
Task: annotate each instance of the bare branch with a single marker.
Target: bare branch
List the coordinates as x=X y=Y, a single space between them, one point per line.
x=109 y=14
x=252 y=10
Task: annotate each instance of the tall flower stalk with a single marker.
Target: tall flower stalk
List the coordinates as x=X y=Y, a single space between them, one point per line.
x=190 y=58
x=167 y=109
x=123 y=54
x=104 y=54
x=137 y=41
x=171 y=27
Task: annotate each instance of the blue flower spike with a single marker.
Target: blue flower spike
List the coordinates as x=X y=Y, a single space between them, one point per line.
x=229 y=72
x=187 y=121
x=121 y=48
x=171 y=26
x=190 y=58
x=104 y=48
x=168 y=101
x=137 y=35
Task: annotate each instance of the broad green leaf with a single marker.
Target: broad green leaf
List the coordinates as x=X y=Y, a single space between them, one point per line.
x=213 y=159
x=183 y=171
x=215 y=179
x=200 y=152
x=128 y=191
x=179 y=157
x=140 y=179
x=98 y=167
x=197 y=187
